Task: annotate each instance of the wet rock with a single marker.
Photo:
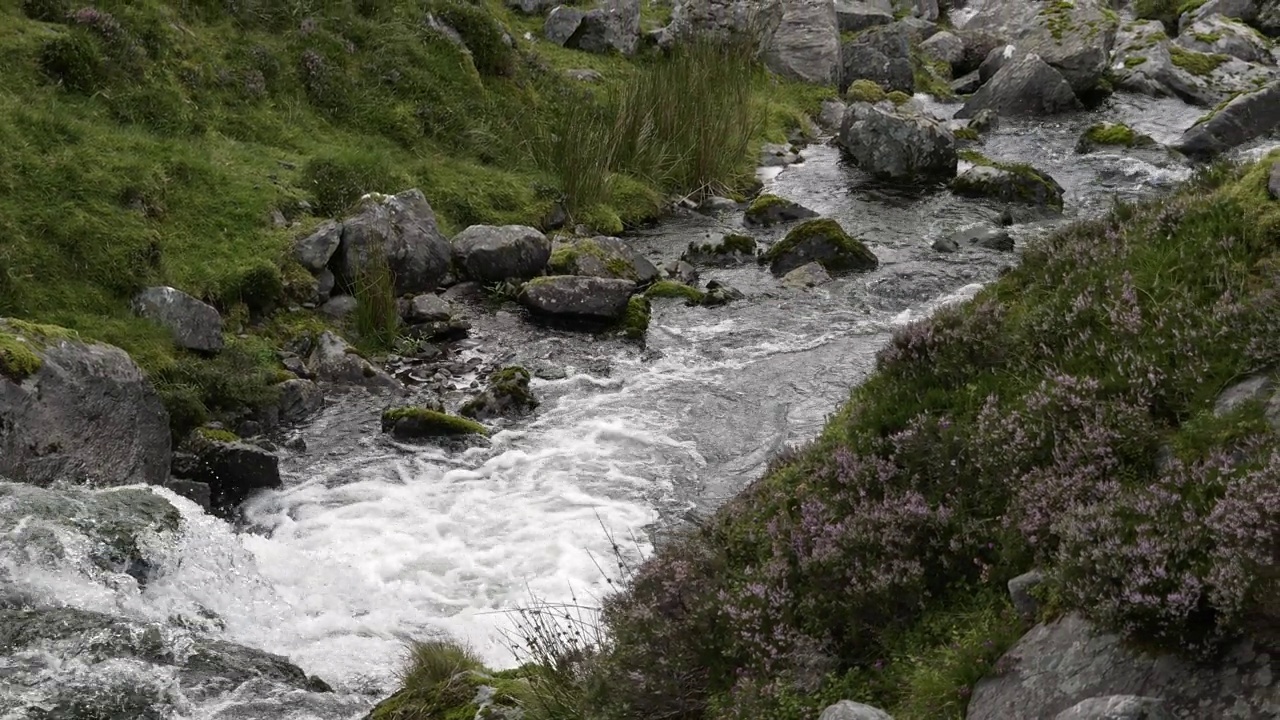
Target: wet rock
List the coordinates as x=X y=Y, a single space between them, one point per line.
x=715 y=204
x=400 y=229
x=987 y=237
x=612 y=26
x=77 y=412
x=806 y=276
x=425 y=308
x=985 y=121
x=732 y=250
x=1074 y=38
x=417 y=422
x=850 y=710
x=605 y=257
x=946 y=245
x=1219 y=35
x=578 y=296
x=314 y=251
x=1111 y=135
x=1247 y=117
x=1273 y=181
x=232 y=470
x=854 y=16
x=821 y=241
x=720 y=294
x=831 y=116
x=966 y=84
x=196 y=492
x=1117 y=707
x=334 y=360
x=1024 y=87
x=898 y=143
x=1061 y=663
x=1024 y=603
x=682 y=271
x=806 y=44
x=1011 y=184
x=507 y=395
x=944 y=46
x=777 y=155
x=339 y=308
x=299 y=400
x=194 y=325
x=490 y=254
x=769 y=210
x=881 y=55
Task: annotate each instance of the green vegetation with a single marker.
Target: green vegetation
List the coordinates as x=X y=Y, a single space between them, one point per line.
x=19 y=342
x=377 y=315
x=1166 y=11
x=897 y=97
x=1058 y=17
x=931 y=75
x=966 y=133
x=413 y=421
x=1114 y=134
x=1023 y=183
x=673 y=289
x=1134 y=61
x=1196 y=63
x=635 y=323
x=1207 y=38
x=217 y=435
x=850 y=253
x=589 y=256
x=864 y=91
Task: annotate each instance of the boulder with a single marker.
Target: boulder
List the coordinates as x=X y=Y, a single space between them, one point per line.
x=720 y=294
x=1117 y=707
x=995 y=59
x=1024 y=87
x=76 y=411
x=821 y=241
x=597 y=298
x=778 y=155
x=333 y=360
x=944 y=46
x=984 y=121
x=718 y=18
x=806 y=276
x=1268 y=20
x=806 y=44
x=1221 y=36
x=987 y=237
x=967 y=84
x=612 y=26
x=926 y=10
x=881 y=55
x=1240 y=9
x=978 y=45
x=562 y=23
x=299 y=400
x=682 y=271
x=194 y=325
x=400 y=229
x=314 y=251
x=1061 y=663
x=232 y=470
x=417 y=422
x=770 y=209
x=855 y=16
x=898 y=143
x=1009 y=184
x=507 y=395
x=1148 y=63
x=601 y=256
x=1020 y=587
x=850 y=710
x=490 y=254
x=730 y=251
x=1111 y=135
x=1246 y=117
x=339 y=307
x=831 y=115
x=425 y=308
x=1074 y=37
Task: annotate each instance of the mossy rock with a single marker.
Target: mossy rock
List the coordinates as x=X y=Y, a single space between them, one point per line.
x=635 y=323
x=508 y=394
x=20 y=343
x=420 y=422
x=674 y=289
x=733 y=249
x=1007 y=182
x=1196 y=63
x=1111 y=134
x=864 y=90
x=768 y=210
x=601 y=256
x=822 y=241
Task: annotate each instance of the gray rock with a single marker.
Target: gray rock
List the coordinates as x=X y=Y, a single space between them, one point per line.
x=1117 y=707
x=531 y=7
x=718 y=18
x=831 y=116
x=966 y=84
x=944 y=46
x=850 y=710
x=299 y=400
x=578 y=296
x=946 y=245
x=773 y=210
x=584 y=75
x=1216 y=34
x=777 y=155
x=682 y=271
x=606 y=257
x=612 y=26
x=996 y=59
x=324 y=284
x=1268 y=20
x=1250 y=389
x=881 y=55
x=1145 y=64
x=1024 y=87
x=232 y=470
x=491 y=254
x=1240 y=9
x=806 y=44
x=194 y=325
x=400 y=229
x=339 y=307
x=898 y=143
x=1247 y=117
x=196 y=492
x=855 y=16
x=978 y=45
x=87 y=414
x=987 y=237
x=507 y=395
x=1273 y=181
x=715 y=204
x=425 y=308
x=1074 y=38
x=333 y=360
x=985 y=121
x=926 y=10
x=720 y=294
x=824 y=242
x=313 y=251
x=806 y=276
x=1011 y=184
x=562 y=23
x=1020 y=593
x=1058 y=664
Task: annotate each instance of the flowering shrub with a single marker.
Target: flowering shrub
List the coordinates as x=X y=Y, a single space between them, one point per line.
x=1024 y=428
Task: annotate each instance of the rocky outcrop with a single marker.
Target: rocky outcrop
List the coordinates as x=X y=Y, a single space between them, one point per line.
x=1059 y=664
x=573 y=296
x=490 y=254
x=946 y=47
x=76 y=411
x=612 y=26
x=1023 y=87
x=400 y=230
x=601 y=256
x=1246 y=117
x=334 y=360
x=233 y=470
x=881 y=55
x=1073 y=37
x=821 y=241
x=1009 y=184
x=193 y=324
x=507 y=395
x=897 y=143
x=850 y=710
x=806 y=45
x=1221 y=36
x=1149 y=63
x=854 y=15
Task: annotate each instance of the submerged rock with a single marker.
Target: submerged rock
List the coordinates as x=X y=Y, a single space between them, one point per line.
x=732 y=250
x=508 y=394
x=416 y=422
x=769 y=210
x=1111 y=135
x=602 y=257
x=1010 y=183
x=491 y=254
x=806 y=44
x=1024 y=87
x=76 y=412
x=233 y=470
x=578 y=296
x=821 y=241
x=806 y=276
x=193 y=324
x=898 y=144
x=1246 y=117
x=987 y=237
x=720 y=294
x=400 y=230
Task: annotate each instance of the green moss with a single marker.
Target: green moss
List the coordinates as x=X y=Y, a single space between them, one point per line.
x=765 y=202
x=897 y=97
x=735 y=243
x=1196 y=63
x=853 y=255
x=17 y=360
x=216 y=435
x=864 y=91
x=931 y=75
x=1207 y=38
x=441 y=681
x=420 y=421
x=1030 y=185
x=1116 y=134
x=1134 y=61
x=635 y=323
x=966 y=133
x=673 y=289
x=1057 y=16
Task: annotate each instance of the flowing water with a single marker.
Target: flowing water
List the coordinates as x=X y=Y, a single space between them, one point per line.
x=372 y=542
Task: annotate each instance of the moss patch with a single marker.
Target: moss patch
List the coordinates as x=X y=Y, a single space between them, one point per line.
x=966 y=133
x=1196 y=63
x=635 y=322
x=1134 y=61
x=1023 y=183
x=217 y=435
x=1112 y=134
x=19 y=343
x=673 y=289
x=864 y=91
x=423 y=422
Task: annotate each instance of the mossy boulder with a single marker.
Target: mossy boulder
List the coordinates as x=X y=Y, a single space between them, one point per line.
x=863 y=90
x=674 y=289
x=1112 y=135
x=508 y=394
x=822 y=241
x=769 y=210
x=897 y=143
x=635 y=322
x=413 y=422
x=578 y=297
x=603 y=257
x=1008 y=183
x=733 y=249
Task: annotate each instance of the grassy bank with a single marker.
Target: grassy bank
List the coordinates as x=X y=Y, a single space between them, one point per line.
x=1064 y=419
x=153 y=142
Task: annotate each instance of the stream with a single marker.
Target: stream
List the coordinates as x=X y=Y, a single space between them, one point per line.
x=373 y=543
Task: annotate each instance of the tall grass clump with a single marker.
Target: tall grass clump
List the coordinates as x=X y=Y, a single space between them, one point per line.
x=376 y=318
